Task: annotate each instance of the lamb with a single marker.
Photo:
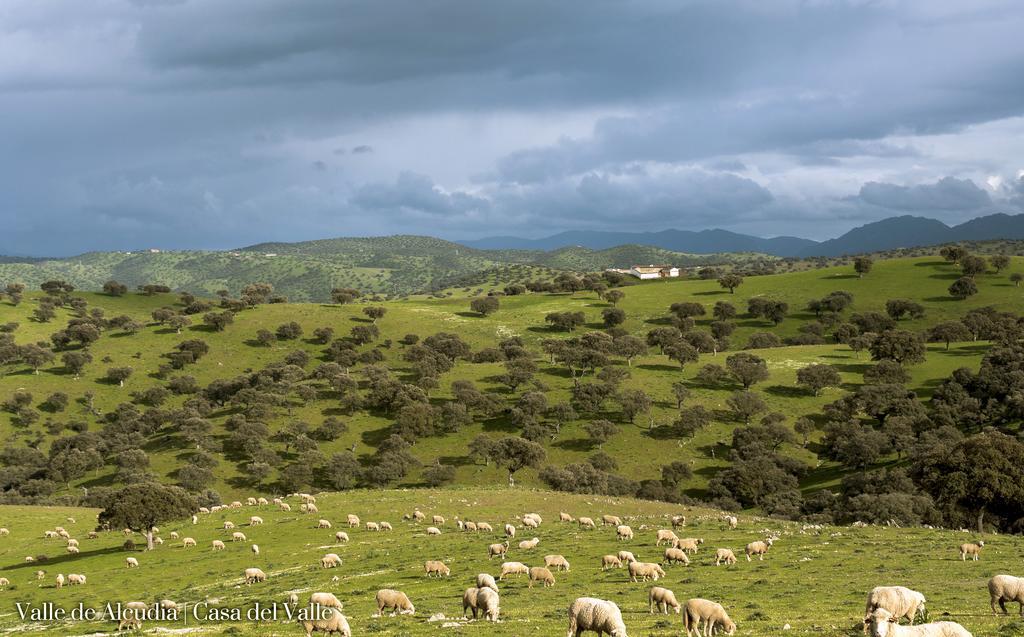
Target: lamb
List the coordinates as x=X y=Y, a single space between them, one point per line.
x=587 y=523
x=758 y=548
x=218 y=545
x=596 y=615
x=433 y=530
x=971 y=549
x=341 y=536
x=331 y=560
x=390 y=598
x=483 y=526
x=711 y=613
x=253 y=521
x=610 y=520
x=131 y=562
x=643 y=570
x=1006 y=588
x=60 y=580
x=558 y=561
x=253 y=575
x=527 y=545
x=626 y=556
x=513 y=568
x=883 y=624
x=678 y=520
x=158 y=541
x=371 y=526
x=623 y=532
x=353 y=520
x=899 y=601
x=436 y=566
x=564 y=517
x=187 y=542
x=437 y=519
x=610 y=561
x=541 y=574
x=487 y=600
x=676 y=555
x=336 y=623
x=497 y=549
x=195 y=519
x=385 y=526
x=238 y=536
x=689 y=544
x=663 y=598
x=724 y=555
x=324 y=599
x=75 y=579
x=665 y=535
x=483 y=580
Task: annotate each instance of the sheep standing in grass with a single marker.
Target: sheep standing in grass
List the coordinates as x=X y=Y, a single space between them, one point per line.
x=228 y=525
x=643 y=570
x=530 y=523
x=732 y=521
x=4 y=581
x=484 y=580
x=353 y=520
x=689 y=544
x=610 y=561
x=433 y=530
x=334 y=623
x=758 y=548
x=724 y=555
x=676 y=555
x=627 y=557
x=73 y=550
x=541 y=574
x=323 y=524
x=437 y=567
x=131 y=562
x=678 y=520
x=487 y=601
x=899 y=601
x=663 y=598
x=76 y=579
x=710 y=613
x=883 y=624
x=595 y=615
x=331 y=560
x=40 y=575
x=972 y=549
x=667 y=536
x=372 y=526
x=324 y=599
x=438 y=520
x=623 y=532
x=483 y=526
x=557 y=561
x=60 y=580
x=254 y=575
x=528 y=545
x=587 y=523
x=418 y=515
x=218 y=545
x=564 y=517
x=1006 y=588
x=497 y=549
x=187 y=542
x=341 y=536
x=238 y=536
x=397 y=600
x=4 y=531
x=513 y=568
x=469 y=601
x=510 y=531
x=255 y=548
x=385 y=526
x=610 y=520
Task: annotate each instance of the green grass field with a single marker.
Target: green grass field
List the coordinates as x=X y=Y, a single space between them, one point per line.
x=814 y=579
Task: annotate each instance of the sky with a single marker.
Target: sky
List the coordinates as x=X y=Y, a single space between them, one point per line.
x=212 y=124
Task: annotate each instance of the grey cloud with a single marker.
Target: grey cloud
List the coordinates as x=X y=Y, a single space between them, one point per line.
x=947 y=194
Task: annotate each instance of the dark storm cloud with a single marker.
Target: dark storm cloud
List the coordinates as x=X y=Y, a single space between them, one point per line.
x=196 y=123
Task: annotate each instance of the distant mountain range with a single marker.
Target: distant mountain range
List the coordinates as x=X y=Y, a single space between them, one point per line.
x=895 y=232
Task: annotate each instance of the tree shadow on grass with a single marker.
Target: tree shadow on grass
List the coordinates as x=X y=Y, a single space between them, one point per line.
x=373 y=437
x=576 y=444
x=456 y=461
x=711 y=293
x=467 y=314
x=63 y=559
x=786 y=391
x=655 y=367
x=941 y=299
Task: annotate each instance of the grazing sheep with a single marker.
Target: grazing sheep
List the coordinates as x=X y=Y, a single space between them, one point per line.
x=168 y=604
x=513 y=568
x=228 y=525
x=436 y=566
x=541 y=574
x=218 y=545
x=467 y=526
x=564 y=517
x=72 y=542
x=49 y=534
x=643 y=570
x=610 y=520
x=390 y=598
x=483 y=526
x=284 y=506
x=187 y=542
x=311 y=508
x=131 y=562
x=626 y=556
x=195 y=519
x=438 y=519
x=29 y=558
x=385 y=526
x=596 y=615
x=341 y=536
x=528 y=545
x=483 y=580
x=255 y=548
x=75 y=579
x=676 y=555
x=353 y=520
x=665 y=535
x=587 y=523
x=469 y=601
x=4 y=531
x=724 y=555
x=433 y=530
x=238 y=536
x=129 y=622
x=732 y=521
x=250 y=501
x=324 y=599
x=758 y=548
x=418 y=515
x=487 y=600
x=204 y=510
x=971 y=549
x=60 y=580
x=883 y=624
x=899 y=601
x=93 y=535
x=331 y=560
x=689 y=544
x=558 y=561
x=678 y=521
x=293 y=599
x=73 y=550
x=535 y=517
x=4 y=581
x=158 y=541
x=1006 y=588
x=610 y=561
x=623 y=532
x=236 y=505
x=530 y=523
x=255 y=520
x=711 y=613
x=497 y=549
x=253 y=575
x=663 y=598
x=40 y=575
x=371 y=526
x=510 y=531
x=323 y=524
x=261 y=501
x=336 y=623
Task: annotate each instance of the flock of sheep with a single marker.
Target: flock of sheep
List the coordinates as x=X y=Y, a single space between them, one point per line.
x=886 y=605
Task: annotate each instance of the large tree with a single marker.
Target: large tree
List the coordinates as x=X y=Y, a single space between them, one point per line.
x=517 y=453
x=140 y=507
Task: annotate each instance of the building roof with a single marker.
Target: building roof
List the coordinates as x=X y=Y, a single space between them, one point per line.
x=651 y=268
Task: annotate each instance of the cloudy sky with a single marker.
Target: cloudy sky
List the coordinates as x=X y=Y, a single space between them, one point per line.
x=220 y=123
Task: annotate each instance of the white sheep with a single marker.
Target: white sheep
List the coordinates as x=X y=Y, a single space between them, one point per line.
x=724 y=555
x=688 y=544
x=335 y=623
x=484 y=580
x=4 y=531
x=255 y=548
x=530 y=523
x=250 y=501
x=883 y=624
x=972 y=549
x=510 y=531
x=758 y=548
x=610 y=561
x=397 y=600
x=484 y=526
x=372 y=526
x=528 y=545
x=385 y=526
x=564 y=517
x=678 y=520
x=217 y=545
x=261 y=501
x=168 y=604
x=899 y=601
x=238 y=536
x=645 y=570
x=228 y=525
x=663 y=598
x=353 y=520
x=284 y=506
x=253 y=575
x=1006 y=588
x=331 y=560
x=626 y=556
x=436 y=567
x=187 y=542
x=667 y=536
x=497 y=549
x=323 y=524
x=73 y=550
x=676 y=555
x=255 y=520
x=610 y=520
x=587 y=523
x=4 y=581
x=60 y=580
x=433 y=530
x=623 y=532
x=732 y=521
x=438 y=520
x=487 y=600
x=469 y=601
x=131 y=562
x=418 y=515
x=325 y=599
x=557 y=561
x=541 y=574
x=513 y=568
x=72 y=542
x=710 y=613
x=76 y=579
x=596 y=615
x=341 y=536
x=40 y=575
